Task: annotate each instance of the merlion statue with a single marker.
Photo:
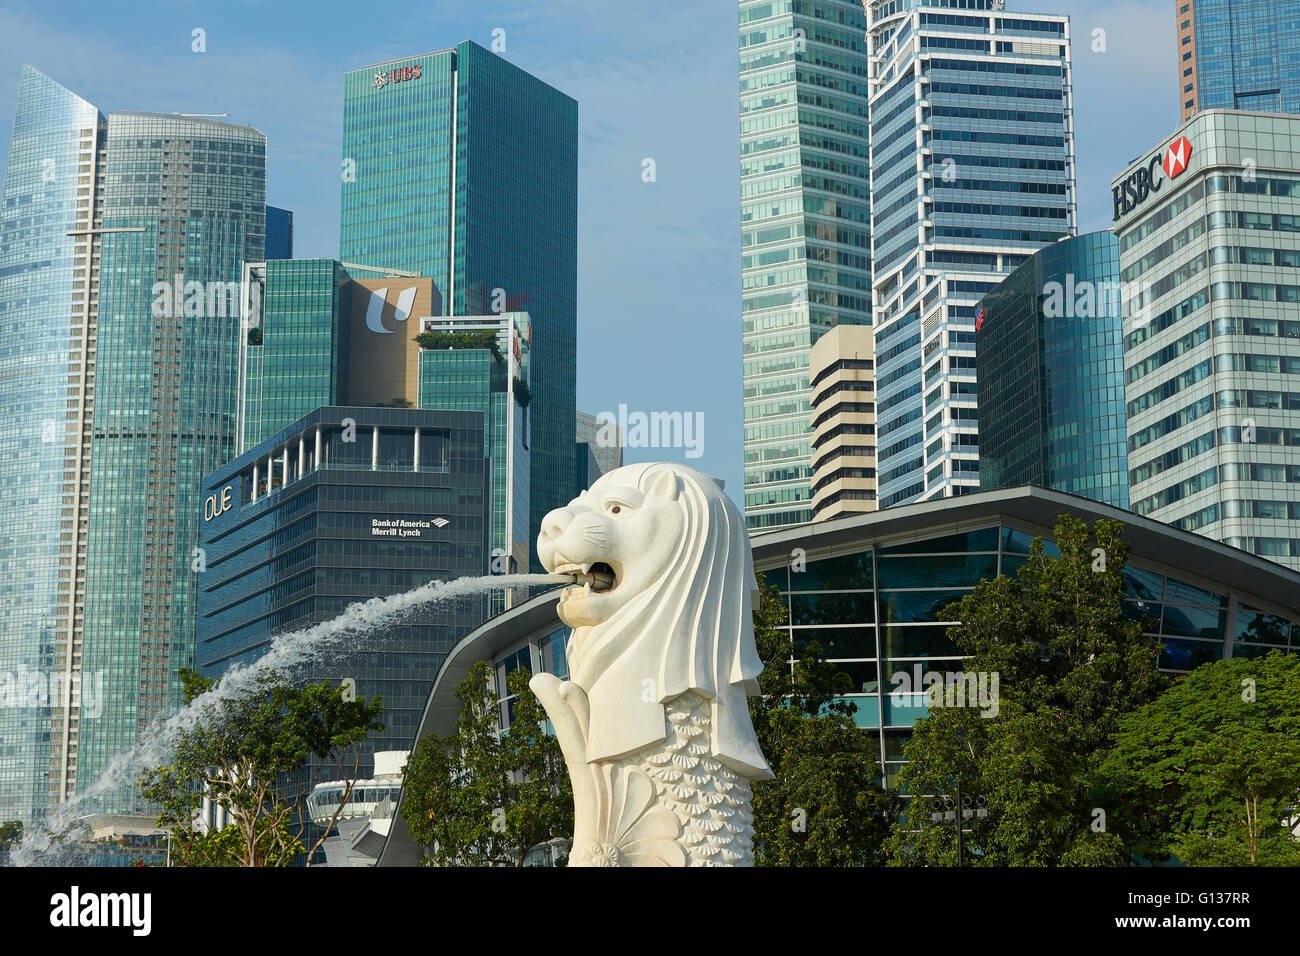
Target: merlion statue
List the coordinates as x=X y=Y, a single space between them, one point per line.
x=653 y=721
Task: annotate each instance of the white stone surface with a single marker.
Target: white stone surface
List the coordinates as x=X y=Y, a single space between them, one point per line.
x=653 y=721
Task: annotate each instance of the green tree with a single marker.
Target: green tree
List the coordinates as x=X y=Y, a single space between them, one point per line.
x=481 y=797
x=482 y=339
x=240 y=758
x=11 y=834
x=825 y=806
x=1070 y=664
x=1209 y=772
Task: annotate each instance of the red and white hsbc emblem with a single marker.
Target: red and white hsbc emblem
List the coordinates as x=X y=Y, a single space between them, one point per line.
x=1176 y=157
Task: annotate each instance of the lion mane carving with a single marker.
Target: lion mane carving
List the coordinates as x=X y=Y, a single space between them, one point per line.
x=653 y=720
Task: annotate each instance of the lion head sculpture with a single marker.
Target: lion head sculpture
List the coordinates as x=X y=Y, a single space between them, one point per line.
x=662 y=606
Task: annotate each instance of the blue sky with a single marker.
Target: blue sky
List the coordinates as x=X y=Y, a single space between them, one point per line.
x=658 y=263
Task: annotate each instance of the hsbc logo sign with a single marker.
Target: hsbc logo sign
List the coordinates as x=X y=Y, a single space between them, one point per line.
x=1176 y=157
x=1146 y=180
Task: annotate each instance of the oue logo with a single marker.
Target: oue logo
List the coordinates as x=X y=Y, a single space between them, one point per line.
x=217 y=504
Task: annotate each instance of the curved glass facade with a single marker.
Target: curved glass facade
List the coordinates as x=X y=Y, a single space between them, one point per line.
x=184 y=202
x=121 y=243
x=1051 y=374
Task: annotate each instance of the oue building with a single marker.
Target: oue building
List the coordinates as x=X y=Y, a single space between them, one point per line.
x=1208 y=225
x=871 y=590
x=346 y=504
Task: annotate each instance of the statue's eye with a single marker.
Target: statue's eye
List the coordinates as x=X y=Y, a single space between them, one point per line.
x=614 y=509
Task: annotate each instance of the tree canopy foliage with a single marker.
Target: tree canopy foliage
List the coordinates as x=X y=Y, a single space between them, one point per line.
x=1209 y=772
x=1070 y=665
x=479 y=339
x=240 y=759
x=483 y=797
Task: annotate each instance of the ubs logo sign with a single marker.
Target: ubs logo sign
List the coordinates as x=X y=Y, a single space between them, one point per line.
x=1146 y=180
x=397 y=74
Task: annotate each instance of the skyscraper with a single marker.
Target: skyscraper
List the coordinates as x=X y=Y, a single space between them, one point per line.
x=279 y=233
x=121 y=242
x=461 y=167
x=347 y=504
x=1208 y=224
x=1239 y=55
x=43 y=311
x=603 y=439
x=490 y=376
x=1050 y=370
x=972 y=170
x=805 y=251
x=309 y=321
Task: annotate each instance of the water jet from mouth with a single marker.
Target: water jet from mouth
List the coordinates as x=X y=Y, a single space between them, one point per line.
x=51 y=843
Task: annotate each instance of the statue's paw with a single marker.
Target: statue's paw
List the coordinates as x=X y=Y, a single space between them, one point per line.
x=558 y=699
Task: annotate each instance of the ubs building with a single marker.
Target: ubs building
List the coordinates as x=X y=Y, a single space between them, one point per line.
x=347 y=504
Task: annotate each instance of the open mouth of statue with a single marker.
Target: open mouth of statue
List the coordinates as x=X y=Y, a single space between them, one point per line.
x=592 y=576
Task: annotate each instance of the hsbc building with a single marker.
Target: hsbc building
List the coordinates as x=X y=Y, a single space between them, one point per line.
x=1208 y=225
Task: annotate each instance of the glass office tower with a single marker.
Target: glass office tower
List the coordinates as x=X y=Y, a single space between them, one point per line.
x=296 y=343
x=184 y=202
x=46 y=214
x=1050 y=373
x=319 y=333
x=1213 y=367
x=279 y=233
x=309 y=522
x=972 y=171
x=461 y=167
x=805 y=252
x=1239 y=55
x=493 y=380
x=122 y=243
